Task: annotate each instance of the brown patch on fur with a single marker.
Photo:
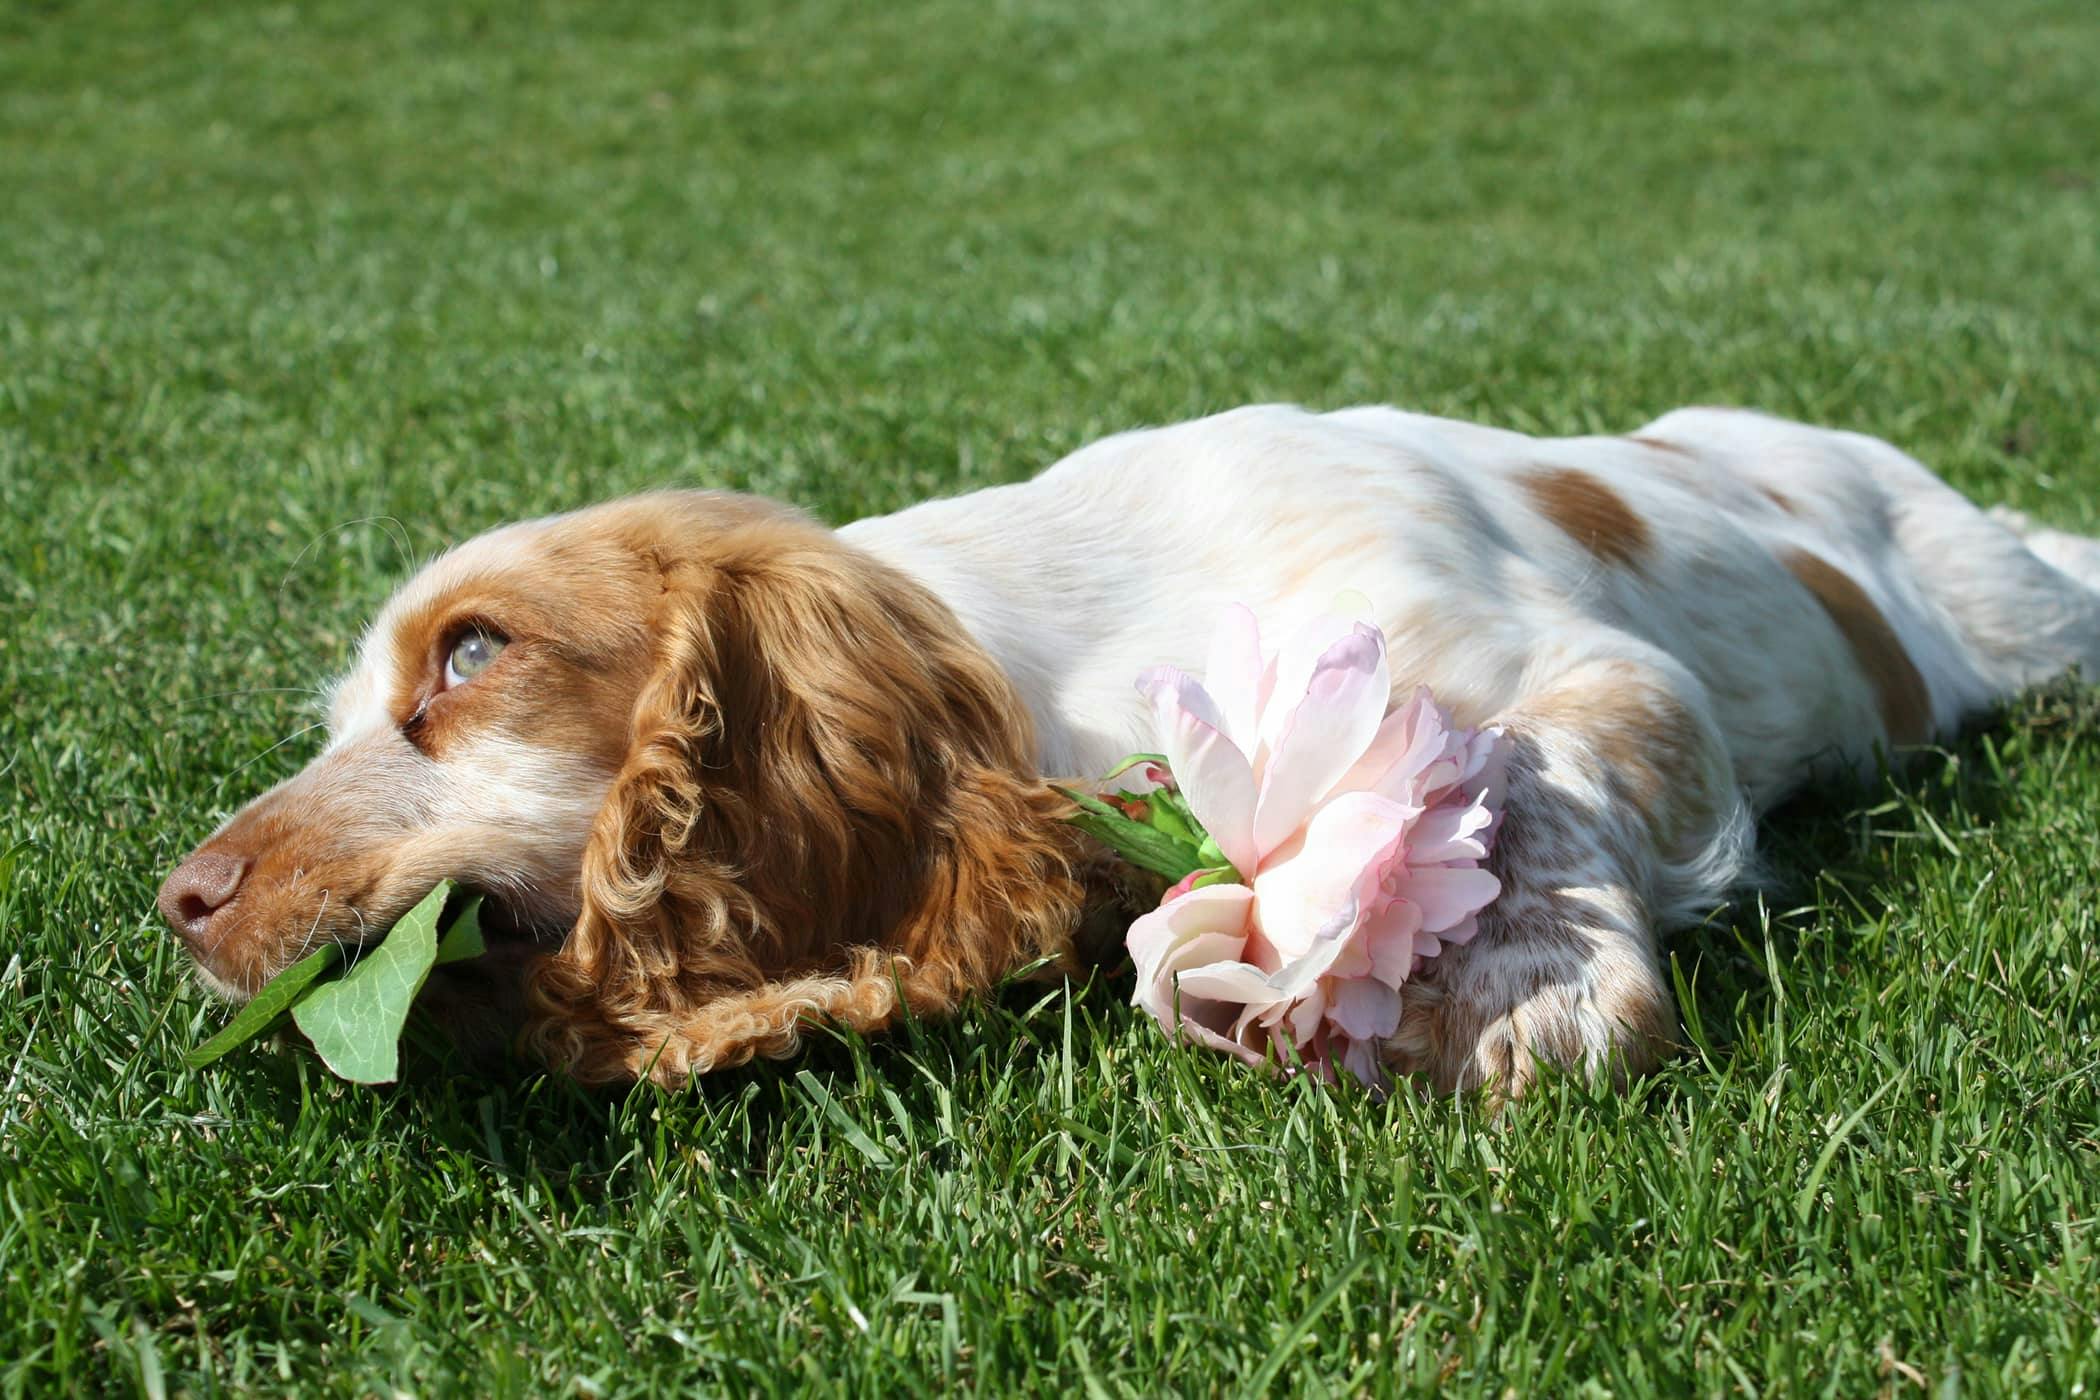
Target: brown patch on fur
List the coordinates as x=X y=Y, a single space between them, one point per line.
x=1658 y=445
x=826 y=808
x=1647 y=742
x=1781 y=499
x=1906 y=710
x=1590 y=513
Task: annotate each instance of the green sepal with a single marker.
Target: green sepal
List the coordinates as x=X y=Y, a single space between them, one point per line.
x=1140 y=844
x=1222 y=875
x=1171 y=815
x=1131 y=762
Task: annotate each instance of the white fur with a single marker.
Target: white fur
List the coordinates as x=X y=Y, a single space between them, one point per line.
x=1120 y=556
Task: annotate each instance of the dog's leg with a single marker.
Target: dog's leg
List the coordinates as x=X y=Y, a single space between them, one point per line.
x=1621 y=808
x=2022 y=599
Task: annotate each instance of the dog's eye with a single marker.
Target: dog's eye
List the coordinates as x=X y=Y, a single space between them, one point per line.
x=471 y=655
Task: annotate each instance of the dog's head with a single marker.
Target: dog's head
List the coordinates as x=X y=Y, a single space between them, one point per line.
x=692 y=744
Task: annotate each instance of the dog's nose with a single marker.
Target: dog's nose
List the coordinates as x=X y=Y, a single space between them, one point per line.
x=199 y=888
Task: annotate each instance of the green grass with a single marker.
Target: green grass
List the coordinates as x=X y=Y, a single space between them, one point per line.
x=292 y=292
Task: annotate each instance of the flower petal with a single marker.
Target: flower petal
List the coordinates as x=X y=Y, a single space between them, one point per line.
x=1329 y=872
x=1305 y=641
x=1449 y=832
x=1361 y=1059
x=1363 y=1009
x=1393 y=939
x=1211 y=771
x=1327 y=732
x=1202 y=926
x=1299 y=979
x=1304 y=1016
x=1448 y=894
x=1229 y=981
x=1233 y=675
x=1407 y=739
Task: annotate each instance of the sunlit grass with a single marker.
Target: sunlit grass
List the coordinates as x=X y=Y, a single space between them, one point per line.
x=292 y=295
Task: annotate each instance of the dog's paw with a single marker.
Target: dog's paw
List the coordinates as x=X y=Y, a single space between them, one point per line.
x=1491 y=1019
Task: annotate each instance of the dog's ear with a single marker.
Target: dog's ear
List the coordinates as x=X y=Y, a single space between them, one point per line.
x=828 y=801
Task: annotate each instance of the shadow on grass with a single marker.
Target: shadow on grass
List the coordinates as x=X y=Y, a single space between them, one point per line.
x=519 y=1121
x=1844 y=846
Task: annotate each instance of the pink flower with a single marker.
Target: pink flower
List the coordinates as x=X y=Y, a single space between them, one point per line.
x=1358 y=833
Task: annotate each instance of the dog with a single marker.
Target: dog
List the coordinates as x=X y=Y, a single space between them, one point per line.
x=721 y=769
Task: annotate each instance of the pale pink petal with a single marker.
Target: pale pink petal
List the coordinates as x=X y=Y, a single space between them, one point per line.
x=1330 y=869
x=1301 y=976
x=1408 y=740
x=1460 y=932
x=1363 y=1009
x=1158 y=995
x=1212 y=1038
x=1328 y=730
x=1221 y=949
x=1233 y=675
x=1229 y=981
x=1393 y=939
x=1203 y=926
x=1360 y=1058
x=1303 y=645
x=1470 y=763
x=1353 y=957
x=1303 y=1017
x=1448 y=894
x=1220 y=1001
x=1212 y=773
x=1449 y=833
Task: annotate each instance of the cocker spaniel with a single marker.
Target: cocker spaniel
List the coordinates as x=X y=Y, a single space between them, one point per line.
x=726 y=769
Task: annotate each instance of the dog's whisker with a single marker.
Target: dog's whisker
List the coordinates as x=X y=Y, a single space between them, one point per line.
x=296 y=734
x=313 y=692
x=388 y=526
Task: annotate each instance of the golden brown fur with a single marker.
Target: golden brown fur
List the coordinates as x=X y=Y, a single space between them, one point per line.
x=1906 y=712
x=1590 y=513
x=819 y=793
x=822 y=809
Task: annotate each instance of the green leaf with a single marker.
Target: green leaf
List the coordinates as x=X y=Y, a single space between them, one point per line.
x=463 y=940
x=355 y=1022
x=278 y=995
x=1141 y=845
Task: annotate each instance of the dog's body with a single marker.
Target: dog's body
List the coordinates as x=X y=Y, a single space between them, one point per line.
x=754 y=765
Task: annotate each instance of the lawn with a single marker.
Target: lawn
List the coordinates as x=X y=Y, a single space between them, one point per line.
x=293 y=294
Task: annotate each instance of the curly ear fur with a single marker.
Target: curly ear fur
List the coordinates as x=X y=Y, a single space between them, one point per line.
x=828 y=807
